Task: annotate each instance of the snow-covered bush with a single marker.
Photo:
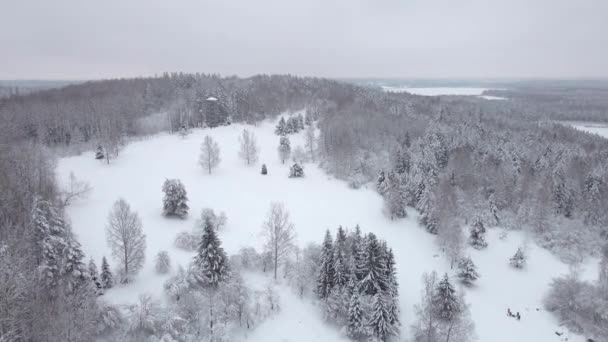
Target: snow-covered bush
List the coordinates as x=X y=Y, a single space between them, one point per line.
x=186 y=241
x=175 y=199
x=477 y=238
x=296 y=171
x=110 y=319
x=218 y=221
x=163 y=262
x=264 y=169
x=467 y=271
x=519 y=259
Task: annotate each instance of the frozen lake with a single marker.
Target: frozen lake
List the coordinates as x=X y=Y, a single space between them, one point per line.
x=595 y=128
x=436 y=91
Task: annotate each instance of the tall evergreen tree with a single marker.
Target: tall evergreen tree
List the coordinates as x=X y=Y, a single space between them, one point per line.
x=396 y=196
x=327 y=274
x=107 y=279
x=374 y=268
x=281 y=128
x=342 y=273
x=357 y=255
x=379 y=324
x=94 y=273
x=467 y=271
x=445 y=302
x=355 y=324
x=493 y=209
x=211 y=259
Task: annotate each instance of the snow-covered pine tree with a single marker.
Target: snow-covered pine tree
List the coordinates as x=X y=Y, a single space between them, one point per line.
x=562 y=195
x=519 y=259
x=494 y=213
x=356 y=319
x=99 y=153
x=374 y=267
x=281 y=128
x=382 y=183
x=296 y=171
x=342 y=272
x=211 y=260
x=445 y=302
x=379 y=325
x=75 y=273
x=396 y=197
x=478 y=231
x=356 y=254
x=308 y=119
x=603 y=271
x=106 y=277
x=163 y=263
x=264 y=169
x=327 y=274
x=392 y=292
x=467 y=271
x=401 y=162
x=284 y=149
x=49 y=234
x=94 y=274
x=175 y=199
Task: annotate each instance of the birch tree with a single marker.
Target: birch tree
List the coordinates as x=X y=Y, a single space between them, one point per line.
x=279 y=234
x=249 y=147
x=126 y=239
x=210 y=154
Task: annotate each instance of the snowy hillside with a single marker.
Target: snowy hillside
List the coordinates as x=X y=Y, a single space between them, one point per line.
x=316 y=202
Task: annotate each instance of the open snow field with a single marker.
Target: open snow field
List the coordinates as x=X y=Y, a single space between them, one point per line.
x=595 y=128
x=316 y=203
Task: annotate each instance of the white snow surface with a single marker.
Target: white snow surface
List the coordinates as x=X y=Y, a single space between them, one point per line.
x=316 y=202
x=595 y=128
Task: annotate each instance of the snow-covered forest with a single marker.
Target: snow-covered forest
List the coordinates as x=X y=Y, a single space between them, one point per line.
x=194 y=207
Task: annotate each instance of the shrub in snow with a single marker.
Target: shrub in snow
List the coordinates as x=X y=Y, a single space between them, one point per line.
x=299 y=155
x=163 y=262
x=264 y=169
x=296 y=171
x=467 y=271
x=174 y=201
x=186 y=241
x=218 y=221
x=519 y=259
x=110 y=319
x=99 y=153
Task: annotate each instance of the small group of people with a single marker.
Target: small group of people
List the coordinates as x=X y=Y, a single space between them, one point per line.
x=510 y=314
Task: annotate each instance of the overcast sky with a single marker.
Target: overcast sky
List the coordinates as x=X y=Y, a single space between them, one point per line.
x=81 y=39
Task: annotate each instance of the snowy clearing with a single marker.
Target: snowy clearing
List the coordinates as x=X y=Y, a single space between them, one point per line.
x=436 y=91
x=594 y=128
x=316 y=202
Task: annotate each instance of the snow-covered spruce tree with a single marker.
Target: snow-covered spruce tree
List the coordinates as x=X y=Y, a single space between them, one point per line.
x=211 y=260
x=310 y=142
x=106 y=277
x=126 y=239
x=477 y=238
x=341 y=268
x=378 y=325
x=519 y=259
x=445 y=302
x=392 y=292
x=395 y=198
x=94 y=274
x=296 y=171
x=99 y=153
x=382 y=183
x=357 y=255
x=264 y=169
x=248 y=147
x=281 y=128
x=175 y=199
x=603 y=271
x=356 y=318
x=300 y=121
x=210 y=154
x=327 y=273
x=75 y=275
x=284 y=149
x=374 y=267
x=163 y=263
x=401 y=162
x=562 y=194
x=467 y=271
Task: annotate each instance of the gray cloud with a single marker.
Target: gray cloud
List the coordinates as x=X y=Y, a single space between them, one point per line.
x=334 y=38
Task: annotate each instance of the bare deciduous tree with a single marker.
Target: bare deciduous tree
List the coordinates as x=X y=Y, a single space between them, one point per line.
x=126 y=238
x=279 y=234
x=210 y=154
x=76 y=189
x=249 y=147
